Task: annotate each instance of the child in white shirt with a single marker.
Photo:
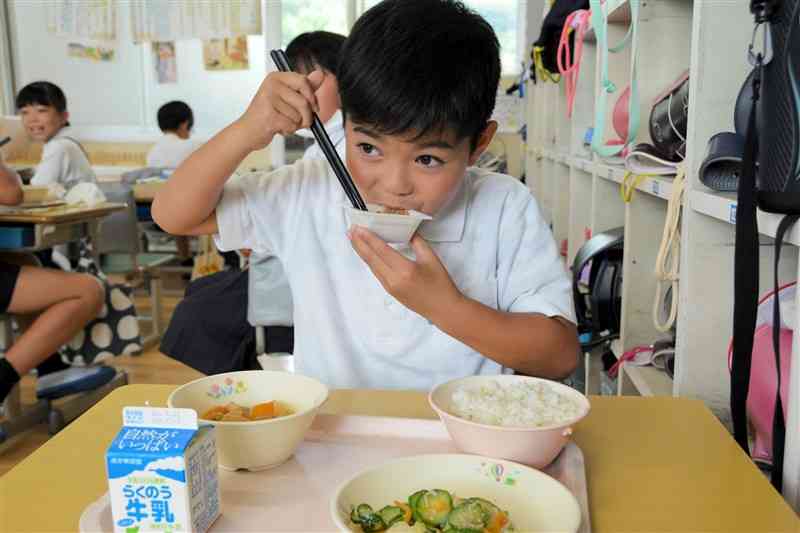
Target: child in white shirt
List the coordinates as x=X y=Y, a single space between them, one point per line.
x=43 y=108
x=480 y=289
x=62 y=302
x=176 y=121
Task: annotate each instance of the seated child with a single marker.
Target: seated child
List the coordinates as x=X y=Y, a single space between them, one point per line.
x=65 y=303
x=43 y=108
x=211 y=341
x=176 y=121
x=480 y=290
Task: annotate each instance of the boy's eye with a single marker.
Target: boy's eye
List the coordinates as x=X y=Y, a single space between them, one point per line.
x=429 y=161
x=367 y=149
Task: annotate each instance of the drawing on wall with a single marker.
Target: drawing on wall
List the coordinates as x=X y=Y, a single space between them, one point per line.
x=165 y=62
x=226 y=54
x=93 y=53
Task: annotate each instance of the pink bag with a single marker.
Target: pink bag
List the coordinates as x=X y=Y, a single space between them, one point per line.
x=620 y=117
x=763 y=378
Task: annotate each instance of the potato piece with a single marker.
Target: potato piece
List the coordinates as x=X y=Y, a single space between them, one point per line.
x=263 y=411
x=215 y=413
x=235 y=408
x=235 y=417
x=281 y=409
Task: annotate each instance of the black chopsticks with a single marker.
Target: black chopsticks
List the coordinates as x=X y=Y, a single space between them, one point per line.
x=346 y=181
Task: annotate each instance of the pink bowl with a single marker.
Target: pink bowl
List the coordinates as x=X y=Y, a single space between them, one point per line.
x=534 y=446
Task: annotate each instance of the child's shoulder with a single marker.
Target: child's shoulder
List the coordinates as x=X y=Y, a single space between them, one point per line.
x=486 y=186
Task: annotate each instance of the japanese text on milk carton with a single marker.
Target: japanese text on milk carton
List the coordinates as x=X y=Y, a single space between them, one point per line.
x=162 y=472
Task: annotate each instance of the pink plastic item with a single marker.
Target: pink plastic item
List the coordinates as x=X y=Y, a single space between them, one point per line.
x=620 y=118
x=763 y=377
x=577 y=21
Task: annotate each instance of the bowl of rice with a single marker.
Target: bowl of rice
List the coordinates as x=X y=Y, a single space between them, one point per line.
x=519 y=418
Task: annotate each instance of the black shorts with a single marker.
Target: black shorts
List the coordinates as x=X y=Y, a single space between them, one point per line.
x=8 y=280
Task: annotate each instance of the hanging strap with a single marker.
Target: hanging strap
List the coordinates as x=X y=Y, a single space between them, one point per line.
x=669 y=253
x=600 y=24
x=541 y=72
x=568 y=66
x=745 y=303
x=778 y=422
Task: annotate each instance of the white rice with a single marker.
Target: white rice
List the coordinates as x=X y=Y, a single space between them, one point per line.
x=525 y=404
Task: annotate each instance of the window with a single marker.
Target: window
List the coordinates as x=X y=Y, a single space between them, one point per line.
x=503 y=16
x=299 y=16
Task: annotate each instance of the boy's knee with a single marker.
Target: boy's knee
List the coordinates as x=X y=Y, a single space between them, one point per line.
x=93 y=291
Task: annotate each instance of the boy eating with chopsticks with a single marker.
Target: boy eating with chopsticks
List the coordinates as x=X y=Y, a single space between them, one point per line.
x=480 y=290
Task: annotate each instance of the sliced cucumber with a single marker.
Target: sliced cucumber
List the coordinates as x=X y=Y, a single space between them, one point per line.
x=372 y=523
x=363 y=510
x=412 y=502
x=354 y=516
x=391 y=515
x=469 y=516
x=434 y=506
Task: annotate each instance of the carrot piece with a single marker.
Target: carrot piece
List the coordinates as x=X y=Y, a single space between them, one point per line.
x=263 y=411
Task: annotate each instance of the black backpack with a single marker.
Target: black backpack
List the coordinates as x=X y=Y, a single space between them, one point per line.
x=552 y=26
x=770 y=180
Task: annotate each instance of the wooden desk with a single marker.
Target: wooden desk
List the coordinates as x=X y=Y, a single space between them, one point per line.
x=653 y=464
x=51 y=226
x=146 y=192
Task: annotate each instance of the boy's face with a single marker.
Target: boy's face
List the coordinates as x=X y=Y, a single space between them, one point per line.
x=402 y=172
x=42 y=122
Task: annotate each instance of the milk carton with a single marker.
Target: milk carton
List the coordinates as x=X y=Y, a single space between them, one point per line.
x=162 y=472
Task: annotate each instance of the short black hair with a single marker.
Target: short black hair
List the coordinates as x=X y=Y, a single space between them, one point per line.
x=42 y=93
x=315 y=49
x=172 y=114
x=420 y=66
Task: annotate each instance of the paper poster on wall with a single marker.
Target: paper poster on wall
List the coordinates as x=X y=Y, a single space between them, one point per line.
x=91 y=52
x=165 y=62
x=226 y=54
x=95 y=19
x=160 y=20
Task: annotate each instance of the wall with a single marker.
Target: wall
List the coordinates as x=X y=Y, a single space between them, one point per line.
x=118 y=100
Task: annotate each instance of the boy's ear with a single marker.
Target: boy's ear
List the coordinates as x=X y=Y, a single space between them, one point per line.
x=484 y=140
x=316 y=78
x=65 y=116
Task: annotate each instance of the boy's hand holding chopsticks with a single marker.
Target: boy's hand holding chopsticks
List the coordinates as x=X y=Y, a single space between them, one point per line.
x=285 y=102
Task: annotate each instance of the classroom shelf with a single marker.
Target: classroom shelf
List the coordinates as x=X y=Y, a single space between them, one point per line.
x=644 y=380
x=617 y=12
x=722 y=206
x=673 y=35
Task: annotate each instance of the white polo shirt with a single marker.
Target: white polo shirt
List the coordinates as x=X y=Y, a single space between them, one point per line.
x=63 y=161
x=335 y=129
x=170 y=151
x=349 y=332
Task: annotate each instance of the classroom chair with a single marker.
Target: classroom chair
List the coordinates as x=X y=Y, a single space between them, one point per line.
x=120 y=249
x=61 y=396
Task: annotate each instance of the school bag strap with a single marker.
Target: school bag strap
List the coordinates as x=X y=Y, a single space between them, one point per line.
x=606 y=87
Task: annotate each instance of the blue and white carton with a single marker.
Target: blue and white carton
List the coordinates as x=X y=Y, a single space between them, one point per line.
x=162 y=472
